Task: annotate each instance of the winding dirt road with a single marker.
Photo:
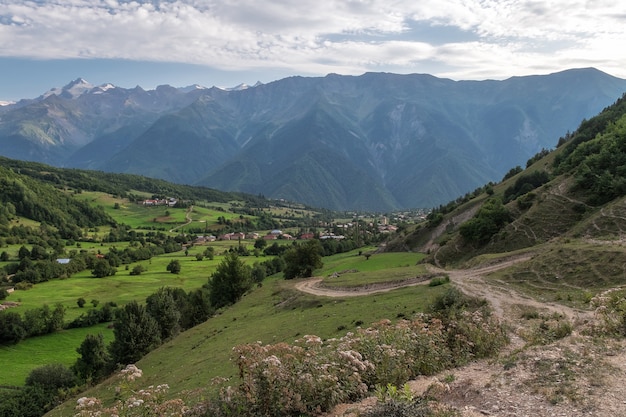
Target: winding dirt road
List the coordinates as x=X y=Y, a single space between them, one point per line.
x=470 y=281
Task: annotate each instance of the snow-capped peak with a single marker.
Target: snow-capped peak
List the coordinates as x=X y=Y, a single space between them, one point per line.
x=74 y=89
x=6 y=103
x=191 y=88
x=242 y=86
x=77 y=88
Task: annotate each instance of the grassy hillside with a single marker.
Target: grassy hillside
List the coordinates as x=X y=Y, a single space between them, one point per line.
x=575 y=192
x=275 y=312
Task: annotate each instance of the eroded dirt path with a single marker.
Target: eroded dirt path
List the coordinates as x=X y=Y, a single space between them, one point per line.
x=470 y=281
x=571 y=377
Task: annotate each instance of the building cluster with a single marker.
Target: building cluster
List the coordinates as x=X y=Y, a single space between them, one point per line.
x=170 y=202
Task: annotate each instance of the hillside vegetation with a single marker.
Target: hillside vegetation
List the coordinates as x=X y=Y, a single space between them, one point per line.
x=507 y=301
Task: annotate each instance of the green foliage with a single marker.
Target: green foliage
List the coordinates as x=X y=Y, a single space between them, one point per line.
x=539 y=155
x=209 y=252
x=81 y=302
x=390 y=392
x=587 y=131
x=31 y=401
x=51 y=378
x=452 y=302
x=94 y=359
x=197 y=308
x=12 y=329
x=163 y=307
x=137 y=270
x=526 y=183
x=417 y=408
x=174 y=266
x=439 y=281
x=491 y=217
x=136 y=333
x=302 y=259
x=512 y=172
x=230 y=281
x=40 y=201
x=601 y=164
x=102 y=268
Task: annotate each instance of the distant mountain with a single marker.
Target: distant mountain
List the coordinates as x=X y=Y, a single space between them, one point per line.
x=576 y=192
x=375 y=142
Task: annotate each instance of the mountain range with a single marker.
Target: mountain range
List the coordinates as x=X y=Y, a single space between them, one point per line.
x=378 y=141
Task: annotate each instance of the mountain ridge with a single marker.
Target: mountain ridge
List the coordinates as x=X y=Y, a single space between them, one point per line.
x=418 y=140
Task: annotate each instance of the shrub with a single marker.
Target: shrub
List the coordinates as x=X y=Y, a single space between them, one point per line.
x=137 y=270
x=435 y=282
x=51 y=377
x=311 y=376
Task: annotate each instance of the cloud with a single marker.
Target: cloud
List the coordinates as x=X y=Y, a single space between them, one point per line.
x=460 y=39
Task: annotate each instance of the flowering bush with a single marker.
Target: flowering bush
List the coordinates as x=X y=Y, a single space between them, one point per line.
x=130 y=403
x=610 y=310
x=307 y=377
x=311 y=376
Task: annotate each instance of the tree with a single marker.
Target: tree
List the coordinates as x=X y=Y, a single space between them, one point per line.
x=209 y=253
x=136 y=333
x=137 y=270
x=230 y=281
x=12 y=328
x=302 y=260
x=92 y=364
x=23 y=252
x=81 y=302
x=162 y=306
x=197 y=308
x=491 y=217
x=51 y=377
x=259 y=272
x=174 y=266
x=4 y=256
x=102 y=269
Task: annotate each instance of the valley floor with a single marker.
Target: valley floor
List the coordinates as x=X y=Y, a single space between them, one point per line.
x=578 y=375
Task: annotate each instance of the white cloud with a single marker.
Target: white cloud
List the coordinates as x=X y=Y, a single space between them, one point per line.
x=505 y=37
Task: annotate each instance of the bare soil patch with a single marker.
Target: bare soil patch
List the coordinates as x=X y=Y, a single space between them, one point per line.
x=578 y=375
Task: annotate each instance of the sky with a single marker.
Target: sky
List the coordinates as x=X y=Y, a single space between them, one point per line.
x=48 y=43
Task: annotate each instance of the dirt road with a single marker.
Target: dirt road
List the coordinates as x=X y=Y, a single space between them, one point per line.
x=470 y=281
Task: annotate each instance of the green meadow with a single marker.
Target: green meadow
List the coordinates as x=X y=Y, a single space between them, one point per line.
x=270 y=313
x=17 y=361
x=123 y=287
x=138 y=216
x=275 y=312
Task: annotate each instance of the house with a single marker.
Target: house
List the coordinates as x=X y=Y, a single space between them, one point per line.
x=306 y=236
x=276 y=232
x=270 y=237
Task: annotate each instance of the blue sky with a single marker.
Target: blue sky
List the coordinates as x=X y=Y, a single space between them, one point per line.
x=48 y=43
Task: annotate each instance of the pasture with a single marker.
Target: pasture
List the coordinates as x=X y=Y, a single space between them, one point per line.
x=275 y=312
x=16 y=361
x=271 y=313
